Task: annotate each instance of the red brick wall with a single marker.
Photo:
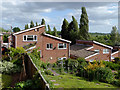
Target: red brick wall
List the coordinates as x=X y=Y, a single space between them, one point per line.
x=21 y=43
x=55 y=53
x=84 y=42
x=101 y=56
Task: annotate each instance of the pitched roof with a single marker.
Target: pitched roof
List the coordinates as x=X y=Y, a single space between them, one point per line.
x=95 y=42
x=80 y=51
x=56 y=37
x=22 y=31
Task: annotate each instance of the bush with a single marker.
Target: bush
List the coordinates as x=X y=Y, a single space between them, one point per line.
x=33 y=83
x=117 y=60
x=104 y=74
x=9 y=68
x=44 y=65
x=49 y=72
x=112 y=65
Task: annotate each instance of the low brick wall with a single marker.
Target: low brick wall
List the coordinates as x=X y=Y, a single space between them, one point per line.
x=30 y=71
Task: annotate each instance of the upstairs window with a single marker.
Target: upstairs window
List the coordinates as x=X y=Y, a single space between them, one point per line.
x=105 y=51
x=49 y=46
x=96 y=50
x=62 y=46
x=29 y=37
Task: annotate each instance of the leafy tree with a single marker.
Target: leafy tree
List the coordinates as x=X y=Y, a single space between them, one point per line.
x=55 y=32
x=31 y=24
x=5 y=38
x=84 y=27
x=64 y=31
x=49 y=30
x=16 y=29
x=36 y=24
x=43 y=22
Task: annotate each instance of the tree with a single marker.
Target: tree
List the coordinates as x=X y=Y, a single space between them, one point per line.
x=75 y=24
x=84 y=27
x=16 y=29
x=43 y=22
x=55 y=32
x=114 y=35
x=73 y=30
x=36 y=24
x=26 y=26
x=31 y=24
x=49 y=30
x=64 y=31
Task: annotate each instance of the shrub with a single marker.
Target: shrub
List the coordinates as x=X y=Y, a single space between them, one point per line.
x=9 y=68
x=44 y=65
x=104 y=74
x=112 y=65
x=117 y=60
x=49 y=72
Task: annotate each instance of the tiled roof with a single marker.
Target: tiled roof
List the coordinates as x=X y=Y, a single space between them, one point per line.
x=80 y=51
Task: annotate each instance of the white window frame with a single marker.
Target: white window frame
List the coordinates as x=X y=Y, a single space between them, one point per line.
x=105 y=51
x=63 y=46
x=97 y=50
x=62 y=58
x=30 y=35
x=49 y=46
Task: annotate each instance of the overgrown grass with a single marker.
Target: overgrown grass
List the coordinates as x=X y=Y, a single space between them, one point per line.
x=5 y=80
x=70 y=81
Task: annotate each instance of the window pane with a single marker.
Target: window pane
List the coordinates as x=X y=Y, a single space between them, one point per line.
x=51 y=46
x=24 y=37
x=65 y=45
x=35 y=37
x=47 y=45
x=30 y=37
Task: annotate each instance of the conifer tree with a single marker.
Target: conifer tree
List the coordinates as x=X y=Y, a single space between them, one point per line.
x=31 y=24
x=43 y=22
x=26 y=26
x=36 y=24
x=64 y=31
x=55 y=32
x=49 y=30
x=84 y=25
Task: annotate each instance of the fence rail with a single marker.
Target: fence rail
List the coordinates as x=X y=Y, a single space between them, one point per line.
x=31 y=69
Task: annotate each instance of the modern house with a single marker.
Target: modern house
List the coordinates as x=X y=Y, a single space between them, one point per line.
x=51 y=48
x=93 y=50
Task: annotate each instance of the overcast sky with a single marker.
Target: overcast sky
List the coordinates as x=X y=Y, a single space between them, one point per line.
x=102 y=15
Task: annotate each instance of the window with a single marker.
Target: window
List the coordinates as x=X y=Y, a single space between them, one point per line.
x=62 y=46
x=29 y=37
x=62 y=58
x=49 y=46
x=96 y=50
x=105 y=51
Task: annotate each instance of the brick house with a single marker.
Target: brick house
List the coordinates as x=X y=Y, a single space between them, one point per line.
x=51 y=48
x=91 y=50
x=115 y=52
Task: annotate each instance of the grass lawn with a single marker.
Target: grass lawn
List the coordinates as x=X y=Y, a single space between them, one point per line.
x=70 y=81
x=5 y=80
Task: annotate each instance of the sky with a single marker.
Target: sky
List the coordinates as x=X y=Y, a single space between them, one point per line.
x=102 y=15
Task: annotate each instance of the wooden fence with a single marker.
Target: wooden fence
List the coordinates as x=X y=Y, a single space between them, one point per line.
x=31 y=68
